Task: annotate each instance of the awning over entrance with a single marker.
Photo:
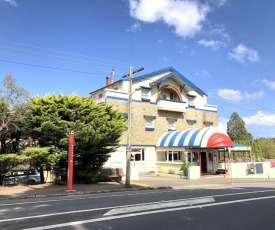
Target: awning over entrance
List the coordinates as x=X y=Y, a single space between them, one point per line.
x=211 y=137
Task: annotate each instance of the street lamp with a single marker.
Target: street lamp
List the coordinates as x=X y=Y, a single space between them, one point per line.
x=128 y=146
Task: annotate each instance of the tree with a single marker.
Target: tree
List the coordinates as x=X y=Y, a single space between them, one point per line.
x=237 y=131
x=13 y=108
x=256 y=150
x=97 y=129
x=267 y=147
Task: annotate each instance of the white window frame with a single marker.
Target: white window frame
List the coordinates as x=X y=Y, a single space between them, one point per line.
x=138 y=155
x=145 y=93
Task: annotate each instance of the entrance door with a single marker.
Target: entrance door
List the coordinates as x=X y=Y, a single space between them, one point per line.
x=203 y=162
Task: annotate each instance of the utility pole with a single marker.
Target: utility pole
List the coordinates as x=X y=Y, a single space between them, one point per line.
x=128 y=147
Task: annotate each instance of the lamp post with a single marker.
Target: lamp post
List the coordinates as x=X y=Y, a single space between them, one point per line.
x=128 y=146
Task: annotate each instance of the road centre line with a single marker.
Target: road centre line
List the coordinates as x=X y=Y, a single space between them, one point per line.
x=158 y=206
x=73 y=223
x=90 y=210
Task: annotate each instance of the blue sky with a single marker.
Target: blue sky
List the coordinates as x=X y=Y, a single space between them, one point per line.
x=226 y=47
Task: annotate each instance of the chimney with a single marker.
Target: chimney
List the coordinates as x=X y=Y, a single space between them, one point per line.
x=108 y=81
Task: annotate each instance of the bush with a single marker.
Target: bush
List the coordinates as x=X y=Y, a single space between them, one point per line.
x=184 y=168
x=171 y=171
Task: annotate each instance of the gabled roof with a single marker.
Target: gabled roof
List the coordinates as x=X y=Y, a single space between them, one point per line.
x=174 y=72
x=171 y=74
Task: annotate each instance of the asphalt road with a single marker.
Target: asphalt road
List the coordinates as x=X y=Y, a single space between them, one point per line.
x=231 y=208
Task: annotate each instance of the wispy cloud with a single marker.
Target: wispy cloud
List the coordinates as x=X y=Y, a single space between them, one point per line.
x=260 y=118
x=12 y=2
x=203 y=73
x=135 y=28
x=269 y=84
x=236 y=95
x=211 y=44
x=185 y=16
x=244 y=54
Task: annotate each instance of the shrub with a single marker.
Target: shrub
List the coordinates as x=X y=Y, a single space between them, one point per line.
x=184 y=168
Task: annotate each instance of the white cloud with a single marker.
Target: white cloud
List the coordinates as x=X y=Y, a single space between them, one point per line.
x=222 y=122
x=203 y=73
x=135 y=28
x=260 y=118
x=236 y=95
x=230 y=94
x=269 y=84
x=12 y=2
x=211 y=43
x=185 y=16
x=244 y=54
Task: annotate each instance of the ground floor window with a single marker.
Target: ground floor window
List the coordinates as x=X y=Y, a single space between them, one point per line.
x=137 y=155
x=173 y=155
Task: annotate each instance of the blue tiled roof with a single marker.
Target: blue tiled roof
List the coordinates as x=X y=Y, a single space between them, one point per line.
x=174 y=72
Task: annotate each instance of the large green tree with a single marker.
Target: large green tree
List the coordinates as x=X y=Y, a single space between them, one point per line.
x=13 y=109
x=237 y=131
x=97 y=129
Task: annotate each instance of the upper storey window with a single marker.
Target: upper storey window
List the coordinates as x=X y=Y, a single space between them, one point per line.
x=145 y=93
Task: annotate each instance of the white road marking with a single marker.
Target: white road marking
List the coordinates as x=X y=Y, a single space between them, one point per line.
x=74 y=223
x=84 y=210
x=158 y=206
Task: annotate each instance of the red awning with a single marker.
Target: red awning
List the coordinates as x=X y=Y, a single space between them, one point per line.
x=219 y=140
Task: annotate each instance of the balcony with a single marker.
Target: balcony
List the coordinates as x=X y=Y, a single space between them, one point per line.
x=171 y=105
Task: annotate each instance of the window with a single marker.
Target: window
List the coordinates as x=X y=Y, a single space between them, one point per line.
x=191 y=101
x=171 y=123
x=145 y=94
x=164 y=96
x=100 y=96
x=171 y=96
x=208 y=123
x=191 y=123
x=137 y=155
x=149 y=122
x=173 y=156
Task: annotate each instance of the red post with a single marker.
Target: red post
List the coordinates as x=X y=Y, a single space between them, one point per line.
x=70 y=161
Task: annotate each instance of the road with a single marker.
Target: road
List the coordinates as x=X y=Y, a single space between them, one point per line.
x=226 y=208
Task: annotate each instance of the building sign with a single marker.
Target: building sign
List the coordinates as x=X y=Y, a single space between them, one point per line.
x=254 y=168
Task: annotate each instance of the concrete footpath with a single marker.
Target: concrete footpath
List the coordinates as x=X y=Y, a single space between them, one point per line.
x=156 y=181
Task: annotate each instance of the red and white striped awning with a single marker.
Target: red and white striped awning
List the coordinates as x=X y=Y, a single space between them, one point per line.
x=210 y=137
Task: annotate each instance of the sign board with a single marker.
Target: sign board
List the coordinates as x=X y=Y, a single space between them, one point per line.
x=128 y=148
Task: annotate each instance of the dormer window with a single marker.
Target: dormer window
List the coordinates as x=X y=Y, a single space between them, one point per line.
x=145 y=93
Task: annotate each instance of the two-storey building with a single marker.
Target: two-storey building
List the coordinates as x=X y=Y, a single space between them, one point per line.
x=171 y=121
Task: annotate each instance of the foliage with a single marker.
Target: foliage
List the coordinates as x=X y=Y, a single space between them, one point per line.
x=97 y=129
x=184 y=168
x=267 y=146
x=13 y=109
x=237 y=131
x=9 y=161
x=171 y=171
x=257 y=150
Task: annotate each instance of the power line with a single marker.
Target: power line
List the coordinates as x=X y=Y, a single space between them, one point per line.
x=63 y=52
x=48 y=67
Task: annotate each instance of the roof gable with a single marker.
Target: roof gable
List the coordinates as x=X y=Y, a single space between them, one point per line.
x=173 y=72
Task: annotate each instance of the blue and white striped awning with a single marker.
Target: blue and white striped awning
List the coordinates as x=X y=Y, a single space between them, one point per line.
x=210 y=137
